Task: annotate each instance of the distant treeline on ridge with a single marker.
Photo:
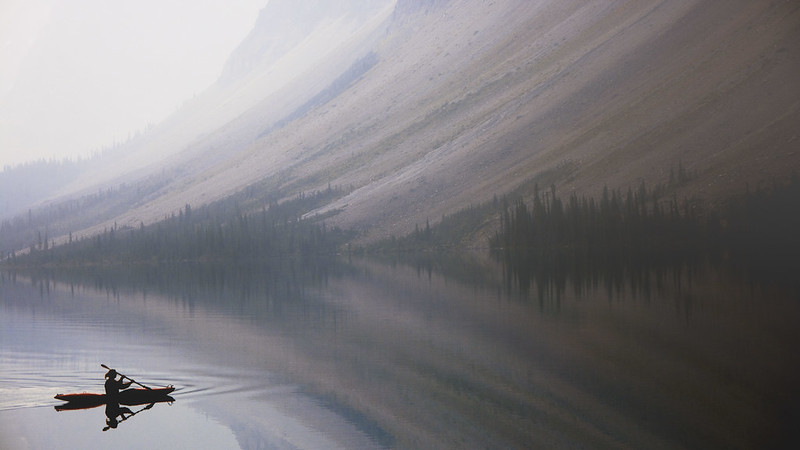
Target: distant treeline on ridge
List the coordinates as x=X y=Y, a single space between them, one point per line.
x=219 y=231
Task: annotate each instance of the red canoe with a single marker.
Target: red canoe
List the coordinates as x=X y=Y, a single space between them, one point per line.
x=128 y=397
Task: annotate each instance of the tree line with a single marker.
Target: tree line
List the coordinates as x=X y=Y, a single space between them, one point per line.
x=632 y=225
x=57 y=219
x=551 y=241
x=214 y=232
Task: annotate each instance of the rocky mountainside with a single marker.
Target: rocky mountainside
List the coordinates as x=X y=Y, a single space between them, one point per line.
x=435 y=105
x=405 y=7
x=282 y=25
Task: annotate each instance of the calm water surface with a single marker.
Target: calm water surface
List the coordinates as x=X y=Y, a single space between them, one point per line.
x=360 y=354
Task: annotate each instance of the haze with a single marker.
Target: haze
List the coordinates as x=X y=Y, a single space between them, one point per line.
x=77 y=76
x=413 y=223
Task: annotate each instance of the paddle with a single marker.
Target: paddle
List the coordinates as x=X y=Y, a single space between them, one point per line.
x=125 y=376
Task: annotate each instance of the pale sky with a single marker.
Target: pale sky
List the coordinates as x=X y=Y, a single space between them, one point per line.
x=76 y=75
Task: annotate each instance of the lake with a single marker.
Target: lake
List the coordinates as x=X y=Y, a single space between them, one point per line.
x=436 y=353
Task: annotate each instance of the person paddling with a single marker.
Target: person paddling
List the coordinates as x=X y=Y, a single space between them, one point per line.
x=113 y=385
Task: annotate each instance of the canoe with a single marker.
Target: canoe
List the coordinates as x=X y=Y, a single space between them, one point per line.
x=128 y=397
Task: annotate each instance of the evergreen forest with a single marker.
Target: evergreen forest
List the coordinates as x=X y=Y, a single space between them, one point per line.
x=214 y=232
x=538 y=237
x=550 y=242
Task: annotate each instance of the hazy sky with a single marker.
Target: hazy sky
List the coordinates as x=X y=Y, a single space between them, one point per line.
x=76 y=75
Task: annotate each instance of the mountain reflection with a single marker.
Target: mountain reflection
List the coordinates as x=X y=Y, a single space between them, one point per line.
x=277 y=289
x=260 y=289
x=427 y=350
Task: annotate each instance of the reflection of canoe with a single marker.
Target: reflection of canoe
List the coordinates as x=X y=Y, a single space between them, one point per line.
x=127 y=397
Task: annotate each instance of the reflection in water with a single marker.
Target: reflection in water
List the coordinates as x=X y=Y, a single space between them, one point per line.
x=359 y=354
x=615 y=280
x=115 y=413
x=113 y=399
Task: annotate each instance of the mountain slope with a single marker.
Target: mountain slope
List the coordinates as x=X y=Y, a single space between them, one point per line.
x=460 y=100
x=460 y=108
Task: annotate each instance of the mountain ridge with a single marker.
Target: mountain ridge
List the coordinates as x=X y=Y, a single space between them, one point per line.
x=470 y=99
